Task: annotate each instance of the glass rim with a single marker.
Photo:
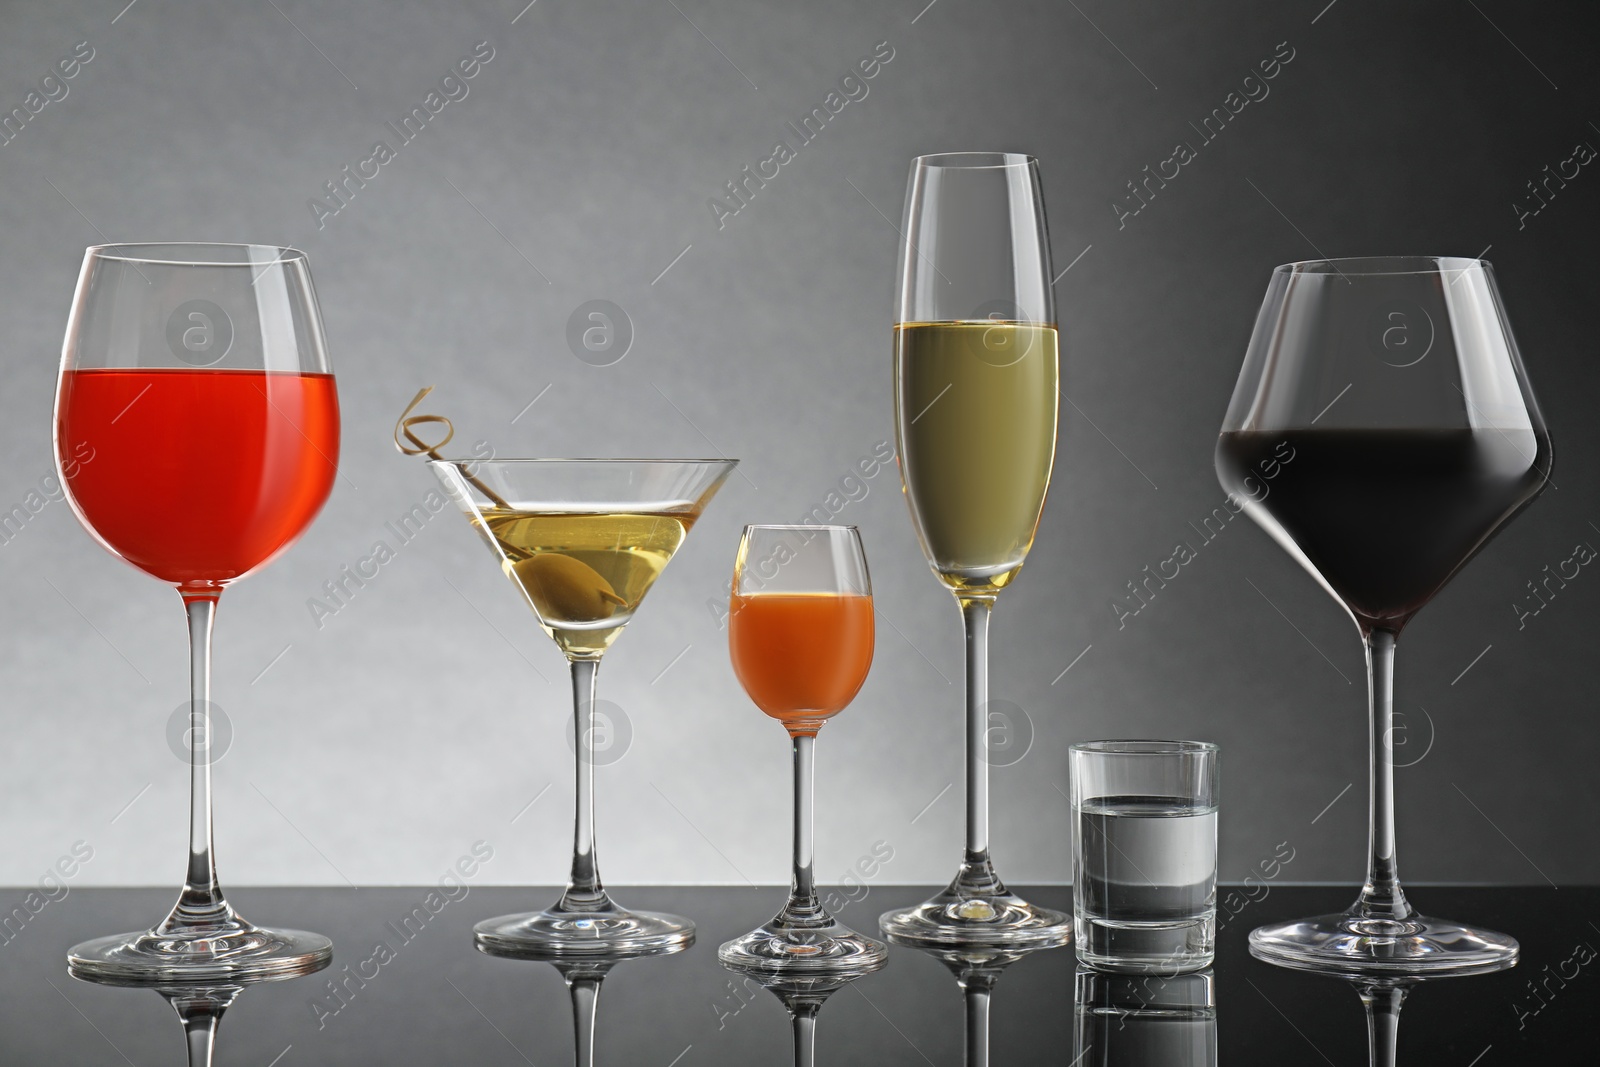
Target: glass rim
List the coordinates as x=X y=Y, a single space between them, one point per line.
x=974 y=160
x=1143 y=747
x=834 y=527
x=169 y=253
x=619 y=460
x=1379 y=266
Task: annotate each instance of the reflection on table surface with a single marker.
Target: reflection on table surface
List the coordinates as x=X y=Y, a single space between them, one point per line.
x=419 y=993
x=1146 y=1020
x=200 y=1004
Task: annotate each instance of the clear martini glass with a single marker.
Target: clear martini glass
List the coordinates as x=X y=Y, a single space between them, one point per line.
x=583 y=540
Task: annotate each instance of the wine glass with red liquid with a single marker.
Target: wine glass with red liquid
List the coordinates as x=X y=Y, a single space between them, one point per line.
x=197 y=436
x=1382 y=430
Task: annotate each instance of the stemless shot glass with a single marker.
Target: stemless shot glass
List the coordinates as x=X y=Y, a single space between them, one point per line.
x=800 y=634
x=1144 y=896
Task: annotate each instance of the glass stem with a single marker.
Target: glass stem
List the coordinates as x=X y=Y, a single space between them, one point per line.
x=201 y=903
x=804 y=1023
x=584 y=891
x=803 y=886
x=1381 y=896
x=977 y=877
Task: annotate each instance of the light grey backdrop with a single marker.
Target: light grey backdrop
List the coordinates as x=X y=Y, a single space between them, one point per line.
x=427 y=712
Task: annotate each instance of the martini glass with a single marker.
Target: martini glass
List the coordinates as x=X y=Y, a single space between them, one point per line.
x=583 y=540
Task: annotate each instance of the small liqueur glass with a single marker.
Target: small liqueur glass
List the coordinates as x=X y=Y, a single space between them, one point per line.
x=800 y=633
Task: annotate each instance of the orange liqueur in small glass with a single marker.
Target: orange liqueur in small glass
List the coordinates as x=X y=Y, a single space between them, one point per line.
x=802 y=657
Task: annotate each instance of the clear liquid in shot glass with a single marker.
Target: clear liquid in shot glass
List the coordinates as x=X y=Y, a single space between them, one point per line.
x=1146 y=890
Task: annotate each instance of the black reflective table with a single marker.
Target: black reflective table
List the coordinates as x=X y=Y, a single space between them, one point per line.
x=407 y=987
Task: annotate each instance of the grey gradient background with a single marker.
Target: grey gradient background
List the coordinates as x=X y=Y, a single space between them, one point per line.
x=427 y=713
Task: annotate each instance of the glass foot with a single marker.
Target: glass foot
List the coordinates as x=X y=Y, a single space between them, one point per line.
x=238 y=951
x=562 y=931
x=959 y=916
x=1350 y=945
x=821 y=947
x=1166 y=948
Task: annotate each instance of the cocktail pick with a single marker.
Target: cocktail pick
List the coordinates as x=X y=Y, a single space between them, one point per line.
x=560 y=586
x=419 y=447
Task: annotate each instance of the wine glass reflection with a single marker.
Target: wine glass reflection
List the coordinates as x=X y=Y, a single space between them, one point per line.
x=199 y=1006
x=802 y=996
x=1381 y=1000
x=583 y=976
x=977 y=968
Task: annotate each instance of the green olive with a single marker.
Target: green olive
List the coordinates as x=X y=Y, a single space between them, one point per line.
x=564 y=589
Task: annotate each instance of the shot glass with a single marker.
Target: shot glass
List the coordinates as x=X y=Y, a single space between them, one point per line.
x=1144 y=895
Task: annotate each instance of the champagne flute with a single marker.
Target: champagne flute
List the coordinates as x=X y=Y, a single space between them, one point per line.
x=800 y=633
x=197 y=436
x=1382 y=430
x=975 y=418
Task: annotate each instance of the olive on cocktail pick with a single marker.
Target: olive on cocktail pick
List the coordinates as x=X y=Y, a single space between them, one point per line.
x=565 y=589
x=562 y=587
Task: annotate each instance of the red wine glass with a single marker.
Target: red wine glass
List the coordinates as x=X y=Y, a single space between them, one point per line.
x=1382 y=430
x=197 y=436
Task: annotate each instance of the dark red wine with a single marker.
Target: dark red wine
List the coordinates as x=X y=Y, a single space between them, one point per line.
x=1384 y=517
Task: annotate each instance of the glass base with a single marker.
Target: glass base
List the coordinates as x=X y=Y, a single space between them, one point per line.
x=1350 y=945
x=822 y=947
x=558 y=932
x=1171 y=948
x=239 y=952
x=960 y=916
